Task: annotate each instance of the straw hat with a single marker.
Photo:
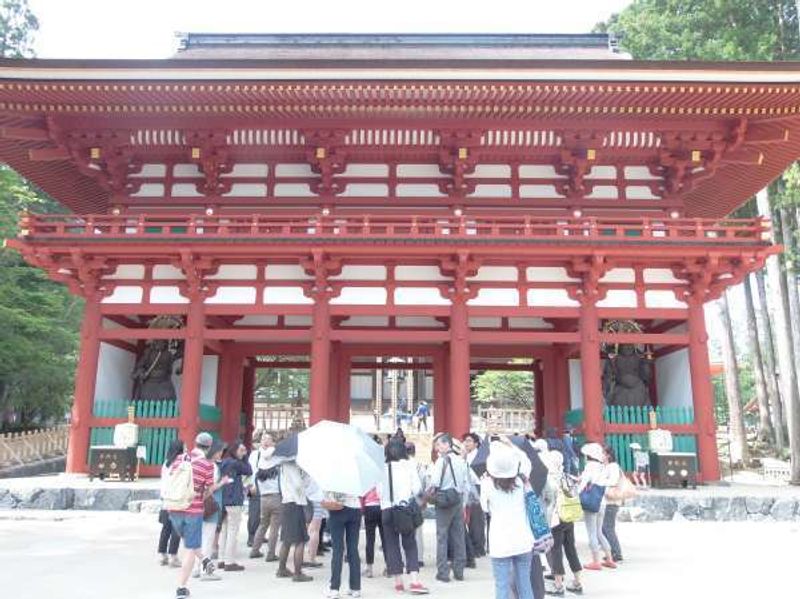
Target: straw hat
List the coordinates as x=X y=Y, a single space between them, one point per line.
x=593 y=451
x=503 y=461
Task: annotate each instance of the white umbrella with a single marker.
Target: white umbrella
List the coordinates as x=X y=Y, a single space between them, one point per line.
x=341 y=458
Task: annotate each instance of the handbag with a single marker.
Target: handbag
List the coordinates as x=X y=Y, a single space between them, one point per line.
x=447 y=498
x=210 y=506
x=406 y=515
x=569 y=508
x=591 y=498
x=537 y=520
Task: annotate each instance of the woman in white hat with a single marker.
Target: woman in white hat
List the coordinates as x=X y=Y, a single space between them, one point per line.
x=503 y=495
x=594 y=474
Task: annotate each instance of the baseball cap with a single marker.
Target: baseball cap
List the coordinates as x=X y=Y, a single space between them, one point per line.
x=203 y=440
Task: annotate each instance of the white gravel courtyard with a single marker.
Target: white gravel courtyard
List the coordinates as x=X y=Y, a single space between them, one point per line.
x=94 y=555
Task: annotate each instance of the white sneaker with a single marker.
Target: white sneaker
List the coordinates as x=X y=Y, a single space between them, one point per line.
x=209 y=576
x=355 y=594
x=163 y=559
x=329 y=593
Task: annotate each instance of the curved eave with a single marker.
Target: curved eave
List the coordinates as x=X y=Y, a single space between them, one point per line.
x=404 y=70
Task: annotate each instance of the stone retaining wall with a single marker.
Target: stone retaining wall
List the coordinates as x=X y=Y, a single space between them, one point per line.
x=652 y=507
x=106 y=498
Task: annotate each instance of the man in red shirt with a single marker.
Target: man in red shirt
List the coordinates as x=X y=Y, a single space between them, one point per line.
x=188 y=523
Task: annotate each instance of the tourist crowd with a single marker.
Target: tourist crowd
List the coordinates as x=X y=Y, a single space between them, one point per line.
x=487 y=497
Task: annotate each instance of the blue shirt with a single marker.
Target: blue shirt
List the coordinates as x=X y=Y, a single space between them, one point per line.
x=423 y=411
x=233 y=492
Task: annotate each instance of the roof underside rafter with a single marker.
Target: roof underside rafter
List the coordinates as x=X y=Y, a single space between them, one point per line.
x=711 y=145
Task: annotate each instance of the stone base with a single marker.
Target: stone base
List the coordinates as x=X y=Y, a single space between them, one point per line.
x=730 y=504
x=66 y=492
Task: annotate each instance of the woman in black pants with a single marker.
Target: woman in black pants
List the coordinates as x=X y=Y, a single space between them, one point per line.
x=371 y=506
x=168 y=540
x=400 y=484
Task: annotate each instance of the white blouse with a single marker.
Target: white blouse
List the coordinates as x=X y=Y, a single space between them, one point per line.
x=510 y=534
x=405 y=483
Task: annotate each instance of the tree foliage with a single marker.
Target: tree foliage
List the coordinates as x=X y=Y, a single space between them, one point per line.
x=707 y=29
x=39 y=319
x=504 y=388
x=281 y=385
x=18 y=25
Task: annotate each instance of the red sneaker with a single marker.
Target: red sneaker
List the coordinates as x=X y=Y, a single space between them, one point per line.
x=592 y=566
x=399 y=588
x=417 y=588
x=607 y=563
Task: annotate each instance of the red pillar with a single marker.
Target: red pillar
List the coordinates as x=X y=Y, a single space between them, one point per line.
x=702 y=393
x=231 y=416
x=561 y=385
x=550 y=390
x=248 y=401
x=343 y=414
x=188 y=419
x=540 y=409
x=334 y=390
x=459 y=417
x=85 y=381
x=440 y=392
x=320 y=359
x=224 y=376
x=590 y=370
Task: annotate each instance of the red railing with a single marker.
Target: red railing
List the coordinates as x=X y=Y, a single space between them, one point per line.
x=43 y=227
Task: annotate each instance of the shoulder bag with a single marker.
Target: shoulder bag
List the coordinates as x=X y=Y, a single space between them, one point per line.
x=537 y=520
x=568 y=505
x=592 y=497
x=406 y=515
x=447 y=498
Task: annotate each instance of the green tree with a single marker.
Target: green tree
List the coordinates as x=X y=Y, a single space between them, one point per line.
x=17 y=28
x=39 y=319
x=504 y=388
x=281 y=385
x=707 y=29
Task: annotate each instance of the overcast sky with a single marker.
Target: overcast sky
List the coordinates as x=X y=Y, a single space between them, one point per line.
x=146 y=28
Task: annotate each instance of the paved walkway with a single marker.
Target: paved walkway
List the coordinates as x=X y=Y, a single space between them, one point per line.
x=91 y=555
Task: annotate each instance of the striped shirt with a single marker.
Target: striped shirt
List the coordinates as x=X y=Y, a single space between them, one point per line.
x=202 y=476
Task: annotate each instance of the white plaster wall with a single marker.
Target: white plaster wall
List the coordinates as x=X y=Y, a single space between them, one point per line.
x=124 y=294
x=673 y=379
x=208 y=381
x=233 y=295
x=363 y=296
x=114 y=368
x=575 y=384
x=235 y=271
x=127 y=271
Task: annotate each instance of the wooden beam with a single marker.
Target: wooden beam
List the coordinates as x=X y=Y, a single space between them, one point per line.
x=25 y=133
x=46 y=154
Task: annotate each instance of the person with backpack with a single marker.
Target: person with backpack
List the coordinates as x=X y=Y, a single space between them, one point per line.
x=168 y=540
x=266 y=480
x=511 y=540
x=191 y=477
x=591 y=489
x=449 y=492
x=398 y=490
x=212 y=509
x=562 y=522
x=235 y=467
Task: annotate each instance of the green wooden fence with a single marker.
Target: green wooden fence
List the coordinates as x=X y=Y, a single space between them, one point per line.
x=210 y=413
x=118 y=408
x=641 y=415
x=636 y=415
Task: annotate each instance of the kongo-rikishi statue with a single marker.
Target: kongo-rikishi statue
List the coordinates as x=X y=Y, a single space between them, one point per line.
x=152 y=374
x=626 y=377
